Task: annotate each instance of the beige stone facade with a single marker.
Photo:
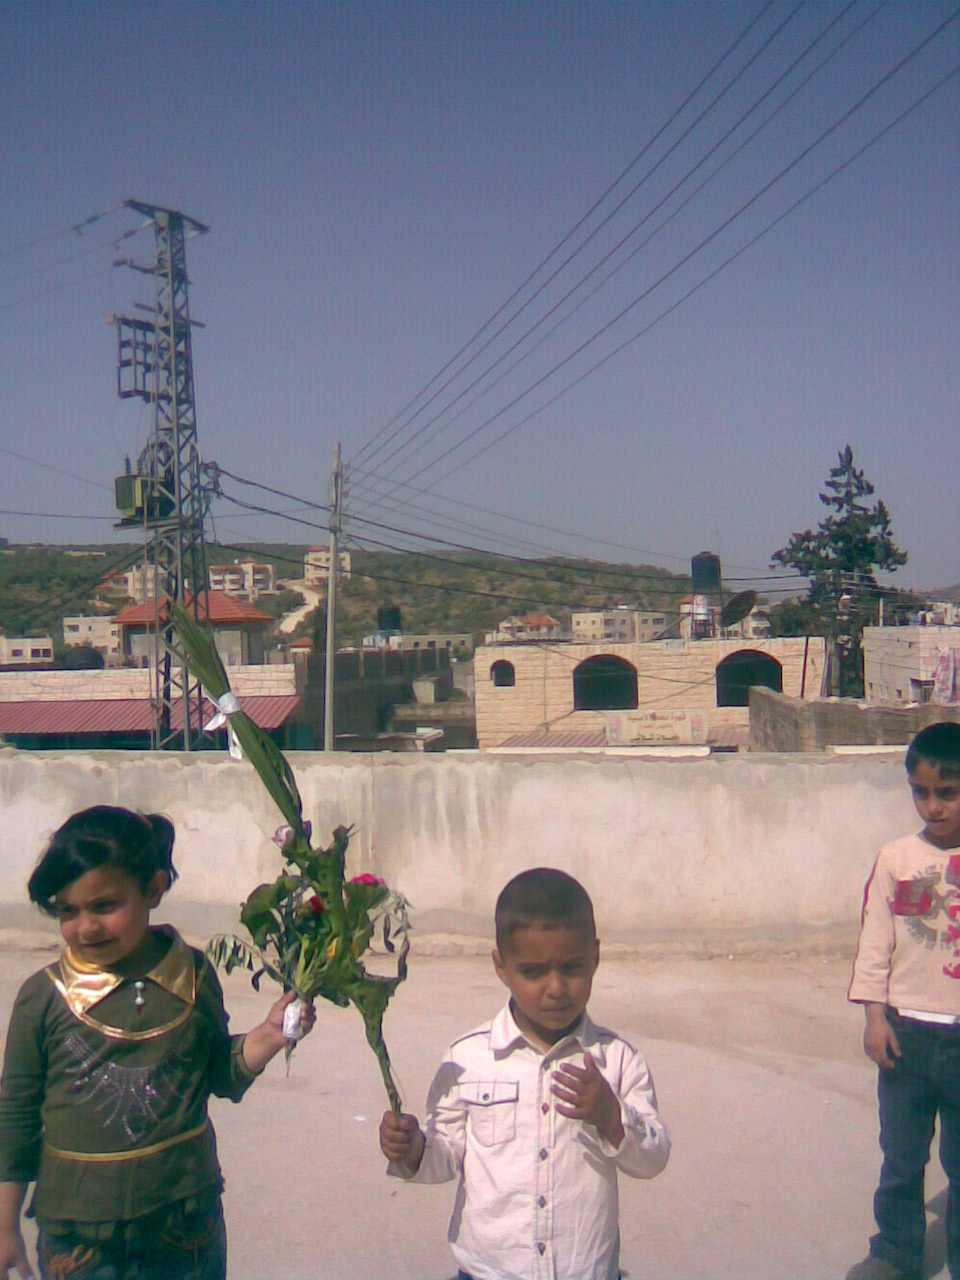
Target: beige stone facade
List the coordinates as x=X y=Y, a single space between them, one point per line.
x=276 y=680
x=243 y=578
x=25 y=651
x=911 y=664
x=316 y=565
x=676 y=687
x=620 y=625
x=100 y=633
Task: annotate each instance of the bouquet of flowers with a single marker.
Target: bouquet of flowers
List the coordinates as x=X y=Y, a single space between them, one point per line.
x=311 y=927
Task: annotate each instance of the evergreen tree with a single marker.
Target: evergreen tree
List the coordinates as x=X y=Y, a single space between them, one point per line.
x=840 y=558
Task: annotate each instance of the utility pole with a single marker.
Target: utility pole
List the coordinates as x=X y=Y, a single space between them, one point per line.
x=165 y=495
x=334 y=526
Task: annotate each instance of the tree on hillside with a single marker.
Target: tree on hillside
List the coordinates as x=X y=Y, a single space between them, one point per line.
x=840 y=558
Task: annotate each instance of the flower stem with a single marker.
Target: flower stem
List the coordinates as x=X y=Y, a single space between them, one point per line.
x=376 y=1041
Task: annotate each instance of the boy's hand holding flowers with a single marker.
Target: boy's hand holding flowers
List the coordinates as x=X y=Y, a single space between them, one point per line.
x=585 y=1095
x=402 y=1140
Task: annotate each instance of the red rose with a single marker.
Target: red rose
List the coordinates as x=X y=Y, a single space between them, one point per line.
x=315 y=906
x=368 y=879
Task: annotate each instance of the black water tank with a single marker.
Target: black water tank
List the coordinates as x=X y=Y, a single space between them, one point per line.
x=705 y=569
x=388 y=618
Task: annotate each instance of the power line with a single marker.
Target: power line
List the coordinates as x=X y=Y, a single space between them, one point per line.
x=622 y=578
x=687 y=257
x=57 y=288
x=77 y=228
x=606 y=220
x=627 y=237
x=49 y=466
x=589 y=213
x=51 y=515
x=53 y=602
x=611 y=577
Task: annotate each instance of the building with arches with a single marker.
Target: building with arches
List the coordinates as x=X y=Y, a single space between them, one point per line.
x=667 y=692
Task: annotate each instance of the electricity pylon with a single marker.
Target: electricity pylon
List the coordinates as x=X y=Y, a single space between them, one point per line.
x=165 y=496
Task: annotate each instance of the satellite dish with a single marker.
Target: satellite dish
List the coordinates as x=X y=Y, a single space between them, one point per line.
x=736 y=610
x=83 y=658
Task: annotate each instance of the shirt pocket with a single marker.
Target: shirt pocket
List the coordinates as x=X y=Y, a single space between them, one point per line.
x=491 y=1107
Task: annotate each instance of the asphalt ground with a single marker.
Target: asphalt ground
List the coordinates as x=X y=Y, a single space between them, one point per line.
x=761 y=1079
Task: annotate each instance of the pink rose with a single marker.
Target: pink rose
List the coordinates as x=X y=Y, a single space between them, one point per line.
x=368 y=879
x=285 y=833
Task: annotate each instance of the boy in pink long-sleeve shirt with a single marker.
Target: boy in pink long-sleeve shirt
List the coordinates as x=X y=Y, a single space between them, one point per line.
x=907 y=977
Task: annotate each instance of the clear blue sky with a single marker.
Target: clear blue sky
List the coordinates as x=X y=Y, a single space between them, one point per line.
x=380 y=178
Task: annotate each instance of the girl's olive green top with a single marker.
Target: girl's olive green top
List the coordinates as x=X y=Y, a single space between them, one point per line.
x=103 y=1099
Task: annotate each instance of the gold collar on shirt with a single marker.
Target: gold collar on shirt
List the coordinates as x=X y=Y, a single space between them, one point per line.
x=84 y=985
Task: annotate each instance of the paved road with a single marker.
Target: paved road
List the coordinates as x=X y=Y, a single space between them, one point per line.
x=311 y=600
x=761 y=1080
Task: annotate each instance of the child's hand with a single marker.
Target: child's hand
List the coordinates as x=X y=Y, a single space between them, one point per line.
x=587 y=1096
x=402 y=1140
x=265 y=1041
x=308 y=1014
x=13 y=1255
x=880 y=1041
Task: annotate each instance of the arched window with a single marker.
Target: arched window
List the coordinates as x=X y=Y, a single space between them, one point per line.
x=604 y=684
x=737 y=672
x=503 y=675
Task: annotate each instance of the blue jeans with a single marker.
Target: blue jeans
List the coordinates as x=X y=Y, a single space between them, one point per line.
x=924 y=1082
x=185 y=1241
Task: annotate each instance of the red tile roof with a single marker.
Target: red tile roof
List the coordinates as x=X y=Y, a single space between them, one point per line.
x=224 y=610
x=124 y=715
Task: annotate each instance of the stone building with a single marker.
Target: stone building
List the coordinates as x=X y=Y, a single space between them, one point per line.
x=667 y=691
x=911 y=664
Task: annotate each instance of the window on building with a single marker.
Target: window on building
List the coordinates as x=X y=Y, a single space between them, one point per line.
x=921 y=690
x=503 y=675
x=605 y=683
x=737 y=672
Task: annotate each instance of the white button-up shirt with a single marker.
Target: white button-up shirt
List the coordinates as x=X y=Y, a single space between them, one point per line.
x=537 y=1198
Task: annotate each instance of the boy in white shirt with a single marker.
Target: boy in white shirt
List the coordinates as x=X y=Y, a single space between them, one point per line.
x=907 y=976
x=536 y=1111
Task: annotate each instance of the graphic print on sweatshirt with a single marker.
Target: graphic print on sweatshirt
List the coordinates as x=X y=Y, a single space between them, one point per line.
x=929 y=905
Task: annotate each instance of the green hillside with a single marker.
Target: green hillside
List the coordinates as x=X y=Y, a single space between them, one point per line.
x=457 y=592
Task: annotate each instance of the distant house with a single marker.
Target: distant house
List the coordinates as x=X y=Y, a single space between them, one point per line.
x=136 y=583
x=457 y=644
x=316 y=565
x=101 y=633
x=911 y=664
x=622 y=623
x=243 y=578
x=531 y=629
x=237 y=628
x=26 y=651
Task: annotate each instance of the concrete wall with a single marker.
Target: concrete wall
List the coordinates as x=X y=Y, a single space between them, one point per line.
x=778 y=723
x=683 y=852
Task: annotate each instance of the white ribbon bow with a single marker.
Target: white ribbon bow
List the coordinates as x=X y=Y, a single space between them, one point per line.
x=227 y=705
